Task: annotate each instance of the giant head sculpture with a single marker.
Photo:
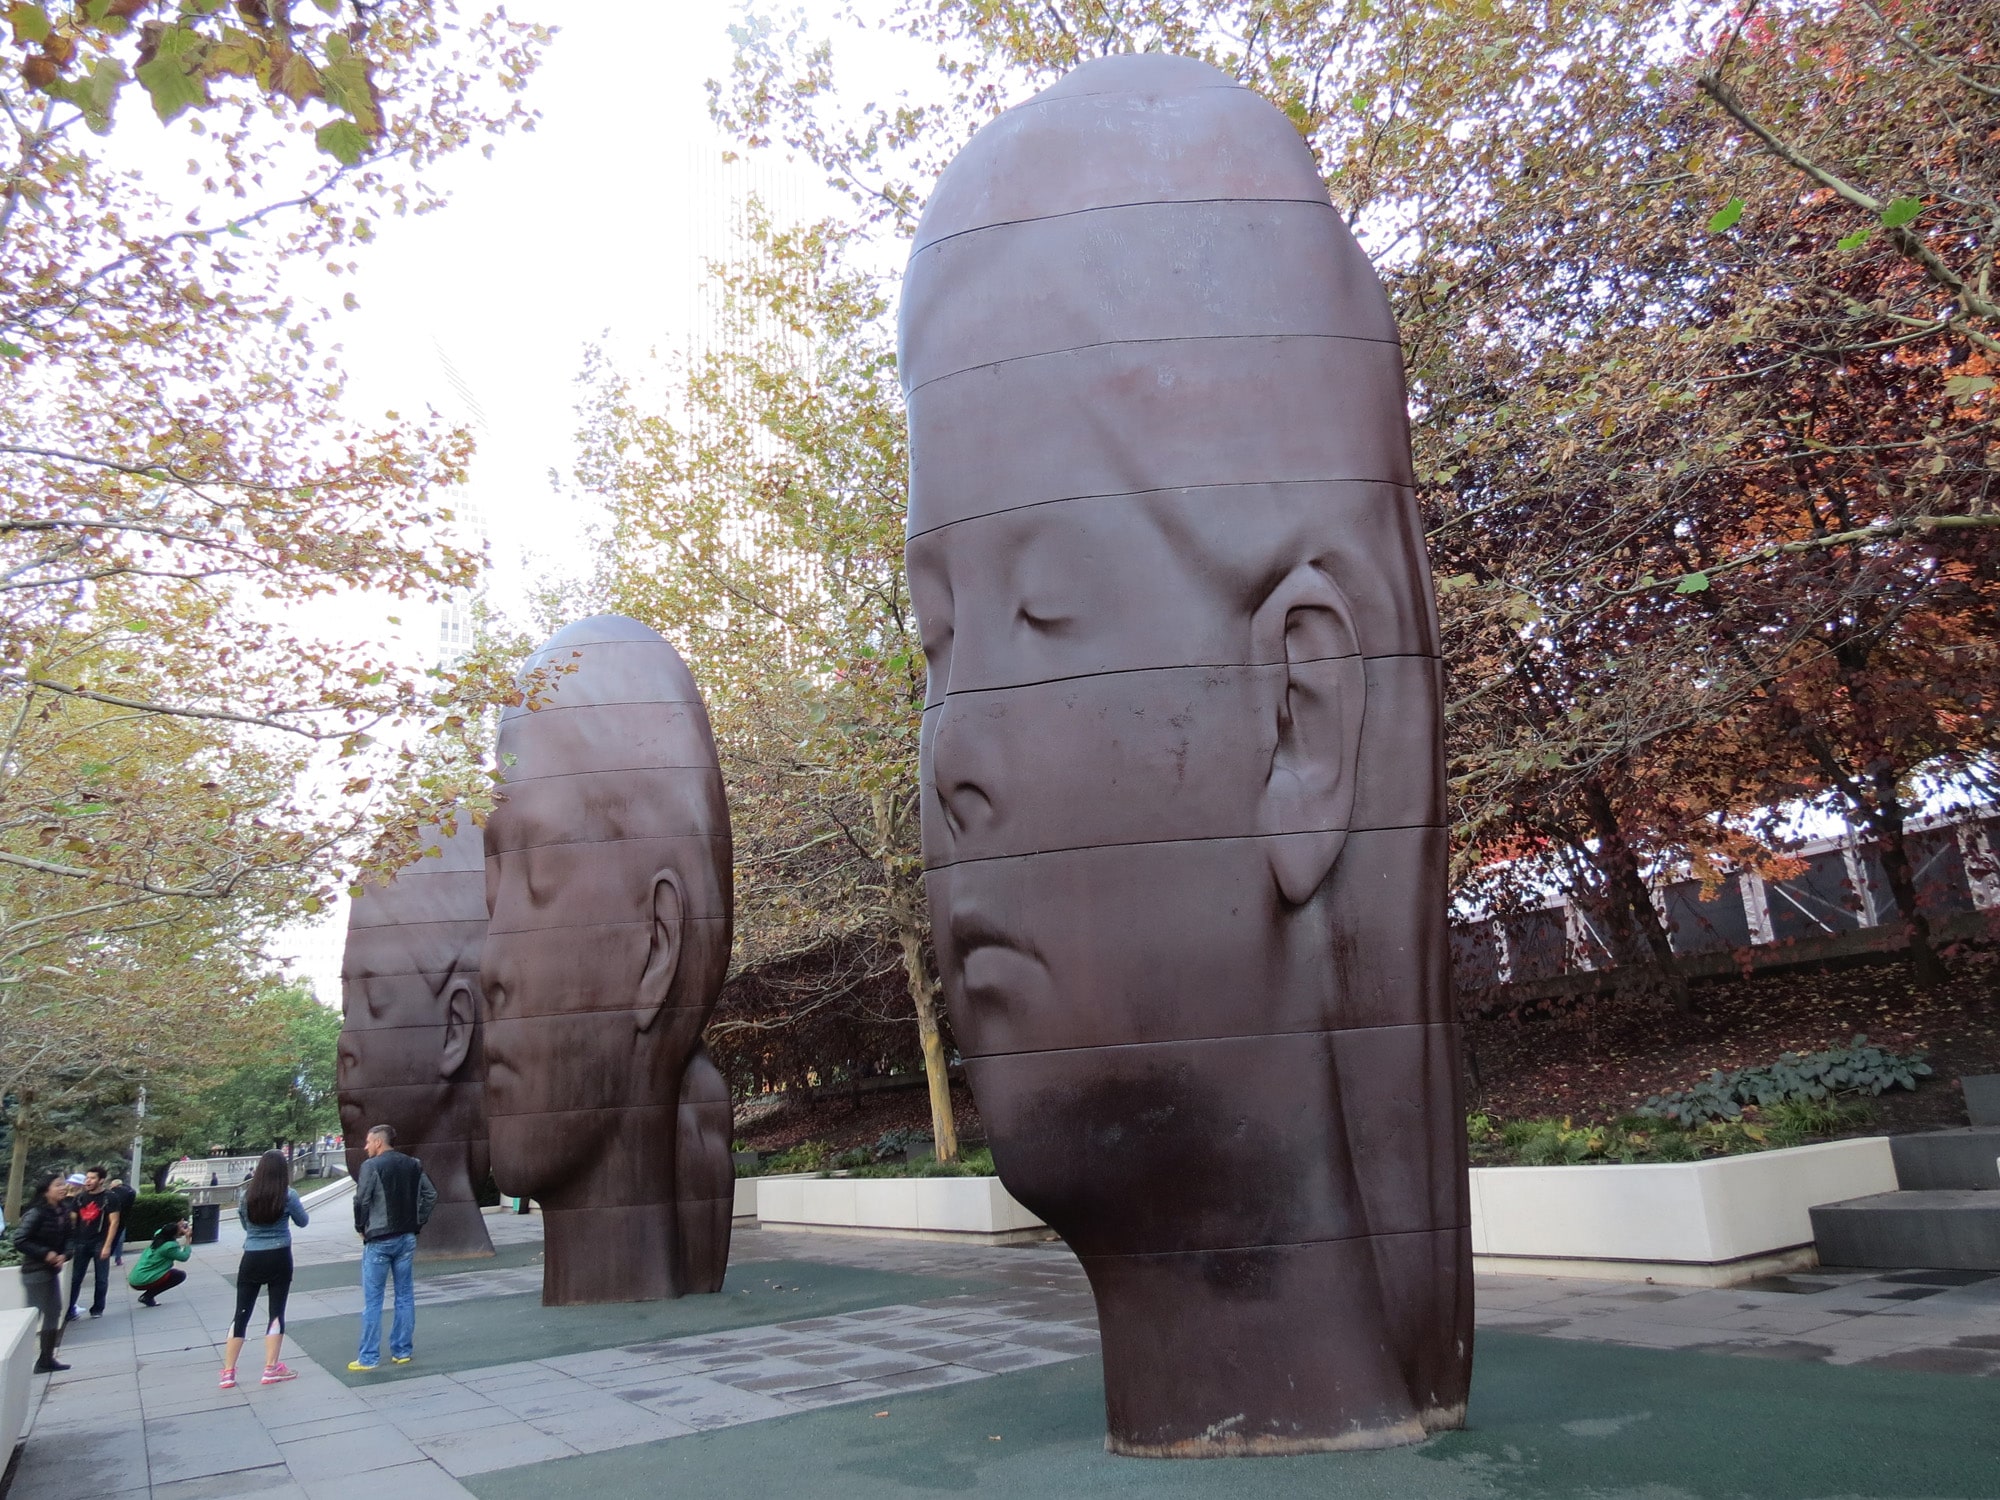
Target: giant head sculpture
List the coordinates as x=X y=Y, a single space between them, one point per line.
x=609 y=899
x=1182 y=766
x=410 y=1053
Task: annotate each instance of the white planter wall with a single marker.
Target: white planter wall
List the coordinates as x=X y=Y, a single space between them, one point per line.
x=1696 y=1213
x=19 y=1349
x=892 y=1205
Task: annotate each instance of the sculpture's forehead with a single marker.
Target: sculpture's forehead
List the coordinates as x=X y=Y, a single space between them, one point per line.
x=1142 y=129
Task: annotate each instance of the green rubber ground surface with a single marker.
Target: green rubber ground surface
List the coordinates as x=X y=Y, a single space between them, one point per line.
x=1551 y=1419
x=484 y=1331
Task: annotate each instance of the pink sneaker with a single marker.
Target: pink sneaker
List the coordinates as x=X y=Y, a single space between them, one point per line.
x=275 y=1374
x=228 y=1380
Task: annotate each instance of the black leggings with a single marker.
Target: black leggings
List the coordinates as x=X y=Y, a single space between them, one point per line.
x=263 y=1268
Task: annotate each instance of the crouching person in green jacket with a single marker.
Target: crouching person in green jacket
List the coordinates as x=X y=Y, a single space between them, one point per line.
x=156 y=1272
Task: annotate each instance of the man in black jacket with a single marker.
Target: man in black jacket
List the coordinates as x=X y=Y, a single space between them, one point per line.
x=392 y=1201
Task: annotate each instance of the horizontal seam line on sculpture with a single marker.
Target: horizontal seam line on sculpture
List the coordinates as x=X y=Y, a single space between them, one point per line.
x=517 y=711
x=1157 y=489
x=1337 y=1239
x=1191 y=1041
x=1101 y=208
x=1213 y=838
x=1178 y=338
x=637 y=838
x=1195 y=666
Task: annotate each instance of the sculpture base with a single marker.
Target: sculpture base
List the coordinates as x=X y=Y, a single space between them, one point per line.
x=456 y=1231
x=1252 y=1351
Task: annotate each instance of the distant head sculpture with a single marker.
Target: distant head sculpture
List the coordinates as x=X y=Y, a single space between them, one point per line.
x=609 y=894
x=410 y=1049
x=1182 y=763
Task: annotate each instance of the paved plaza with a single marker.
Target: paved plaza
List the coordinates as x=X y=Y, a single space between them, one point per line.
x=851 y=1366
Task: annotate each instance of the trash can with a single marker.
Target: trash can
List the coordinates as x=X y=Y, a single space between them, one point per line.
x=207 y=1219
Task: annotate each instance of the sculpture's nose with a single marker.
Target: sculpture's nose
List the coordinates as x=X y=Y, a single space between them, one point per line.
x=964 y=771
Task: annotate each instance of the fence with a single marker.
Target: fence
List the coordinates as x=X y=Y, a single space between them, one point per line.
x=1831 y=906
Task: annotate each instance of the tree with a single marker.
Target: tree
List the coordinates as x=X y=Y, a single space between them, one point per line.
x=1696 y=321
x=757 y=506
x=280 y=1093
x=182 y=766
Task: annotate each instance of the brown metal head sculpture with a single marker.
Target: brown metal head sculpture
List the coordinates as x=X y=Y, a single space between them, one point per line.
x=609 y=894
x=410 y=1051
x=1182 y=761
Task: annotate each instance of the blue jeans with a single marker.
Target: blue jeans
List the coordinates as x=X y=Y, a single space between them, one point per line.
x=378 y=1259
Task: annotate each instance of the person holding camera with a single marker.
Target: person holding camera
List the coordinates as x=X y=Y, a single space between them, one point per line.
x=267 y=1212
x=43 y=1237
x=155 y=1271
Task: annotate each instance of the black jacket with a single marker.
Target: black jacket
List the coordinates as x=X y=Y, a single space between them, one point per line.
x=42 y=1229
x=392 y=1196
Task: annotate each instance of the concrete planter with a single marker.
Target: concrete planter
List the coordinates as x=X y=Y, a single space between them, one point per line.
x=948 y=1208
x=19 y=1349
x=1706 y=1223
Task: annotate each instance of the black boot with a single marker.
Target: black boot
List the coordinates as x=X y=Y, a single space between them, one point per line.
x=47 y=1364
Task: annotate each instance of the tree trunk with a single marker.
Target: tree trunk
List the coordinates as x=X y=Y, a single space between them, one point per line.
x=937 y=1073
x=1885 y=821
x=906 y=911
x=17 y=1168
x=1621 y=869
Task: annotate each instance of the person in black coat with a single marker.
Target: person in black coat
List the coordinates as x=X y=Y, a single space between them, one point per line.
x=43 y=1237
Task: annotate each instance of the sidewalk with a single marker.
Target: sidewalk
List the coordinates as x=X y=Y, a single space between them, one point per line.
x=834 y=1366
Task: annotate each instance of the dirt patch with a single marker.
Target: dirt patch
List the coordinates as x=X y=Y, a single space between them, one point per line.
x=844 y=1120
x=1601 y=1056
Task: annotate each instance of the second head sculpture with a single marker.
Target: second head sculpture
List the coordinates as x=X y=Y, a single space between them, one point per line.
x=608 y=883
x=410 y=1054
x=1183 y=780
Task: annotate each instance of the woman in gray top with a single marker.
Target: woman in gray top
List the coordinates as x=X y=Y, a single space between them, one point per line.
x=267 y=1213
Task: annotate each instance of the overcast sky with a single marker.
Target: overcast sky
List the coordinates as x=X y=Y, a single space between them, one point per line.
x=591 y=229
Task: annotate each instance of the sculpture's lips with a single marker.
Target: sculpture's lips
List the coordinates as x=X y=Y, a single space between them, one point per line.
x=973 y=930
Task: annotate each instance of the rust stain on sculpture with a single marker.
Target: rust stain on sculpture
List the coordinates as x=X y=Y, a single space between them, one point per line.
x=608 y=887
x=410 y=1044
x=1183 y=771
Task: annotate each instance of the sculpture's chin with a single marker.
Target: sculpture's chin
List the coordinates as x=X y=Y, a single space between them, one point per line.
x=1247 y=1445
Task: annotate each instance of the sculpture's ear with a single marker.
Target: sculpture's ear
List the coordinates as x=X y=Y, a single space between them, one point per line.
x=1306 y=623
x=461 y=1016
x=664 y=959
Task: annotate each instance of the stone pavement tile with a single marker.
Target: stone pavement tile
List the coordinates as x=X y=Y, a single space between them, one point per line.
x=47 y=1469
x=652 y=1372
x=702 y=1403
x=291 y=1432
x=271 y=1482
x=1639 y=1332
x=419 y=1388
x=1062 y=1338
x=998 y=1359
x=499 y=1377
x=784 y=1382
x=1780 y=1320
x=597 y=1362
x=335 y=1454
x=924 y=1380
x=478 y=1452
x=210 y=1442
x=418 y=1481
x=191 y=1399
x=528 y=1402
x=597 y=1429
x=418 y=1426
x=838 y=1394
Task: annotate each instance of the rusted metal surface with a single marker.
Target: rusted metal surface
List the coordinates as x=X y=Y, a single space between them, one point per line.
x=1183 y=774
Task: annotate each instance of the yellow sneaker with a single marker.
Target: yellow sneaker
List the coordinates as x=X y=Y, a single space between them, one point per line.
x=359 y=1368
x=401 y=1359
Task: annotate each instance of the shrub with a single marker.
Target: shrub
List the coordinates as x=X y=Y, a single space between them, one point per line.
x=806 y=1156
x=149 y=1211
x=1796 y=1077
